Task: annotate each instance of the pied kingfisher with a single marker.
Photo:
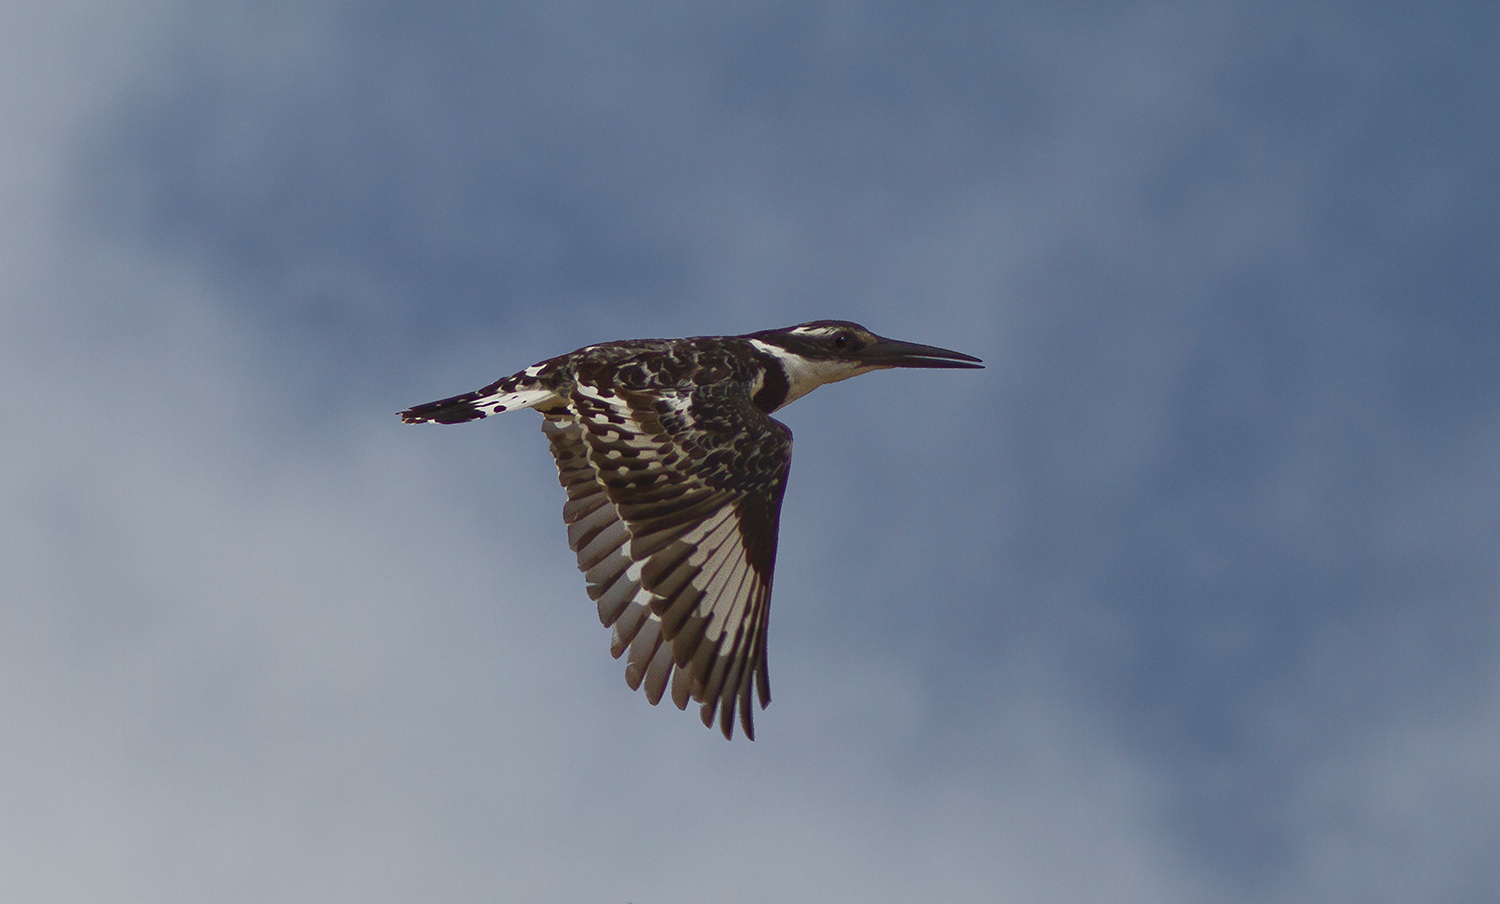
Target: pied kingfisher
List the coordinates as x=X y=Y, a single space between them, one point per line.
x=674 y=472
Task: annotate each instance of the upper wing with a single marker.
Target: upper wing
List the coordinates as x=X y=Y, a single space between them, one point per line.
x=673 y=506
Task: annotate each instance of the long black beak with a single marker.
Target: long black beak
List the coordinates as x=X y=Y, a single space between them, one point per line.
x=894 y=353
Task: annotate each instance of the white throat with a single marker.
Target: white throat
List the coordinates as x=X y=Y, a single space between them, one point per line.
x=804 y=375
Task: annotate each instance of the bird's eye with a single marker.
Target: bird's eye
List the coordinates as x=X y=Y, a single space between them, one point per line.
x=842 y=340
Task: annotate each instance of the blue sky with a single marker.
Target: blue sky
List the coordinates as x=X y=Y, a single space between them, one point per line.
x=1189 y=595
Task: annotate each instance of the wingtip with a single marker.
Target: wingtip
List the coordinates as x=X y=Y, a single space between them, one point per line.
x=725 y=716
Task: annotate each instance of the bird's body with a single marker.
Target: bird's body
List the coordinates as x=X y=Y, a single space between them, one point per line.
x=675 y=472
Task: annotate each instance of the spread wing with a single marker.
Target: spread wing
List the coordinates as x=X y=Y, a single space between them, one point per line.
x=673 y=506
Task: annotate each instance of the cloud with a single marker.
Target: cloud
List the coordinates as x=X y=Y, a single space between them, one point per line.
x=1185 y=597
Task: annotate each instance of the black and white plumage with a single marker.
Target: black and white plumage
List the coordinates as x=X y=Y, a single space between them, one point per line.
x=675 y=472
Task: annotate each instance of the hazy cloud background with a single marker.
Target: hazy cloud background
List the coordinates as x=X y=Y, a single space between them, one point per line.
x=1190 y=595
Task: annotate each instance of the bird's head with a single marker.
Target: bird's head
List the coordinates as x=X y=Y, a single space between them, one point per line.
x=827 y=351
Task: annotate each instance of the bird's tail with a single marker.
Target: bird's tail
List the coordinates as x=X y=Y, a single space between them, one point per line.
x=519 y=391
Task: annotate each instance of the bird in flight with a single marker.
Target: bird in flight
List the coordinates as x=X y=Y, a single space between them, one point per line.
x=675 y=471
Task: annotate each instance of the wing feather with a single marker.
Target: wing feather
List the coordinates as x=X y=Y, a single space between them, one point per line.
x=675 y=536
